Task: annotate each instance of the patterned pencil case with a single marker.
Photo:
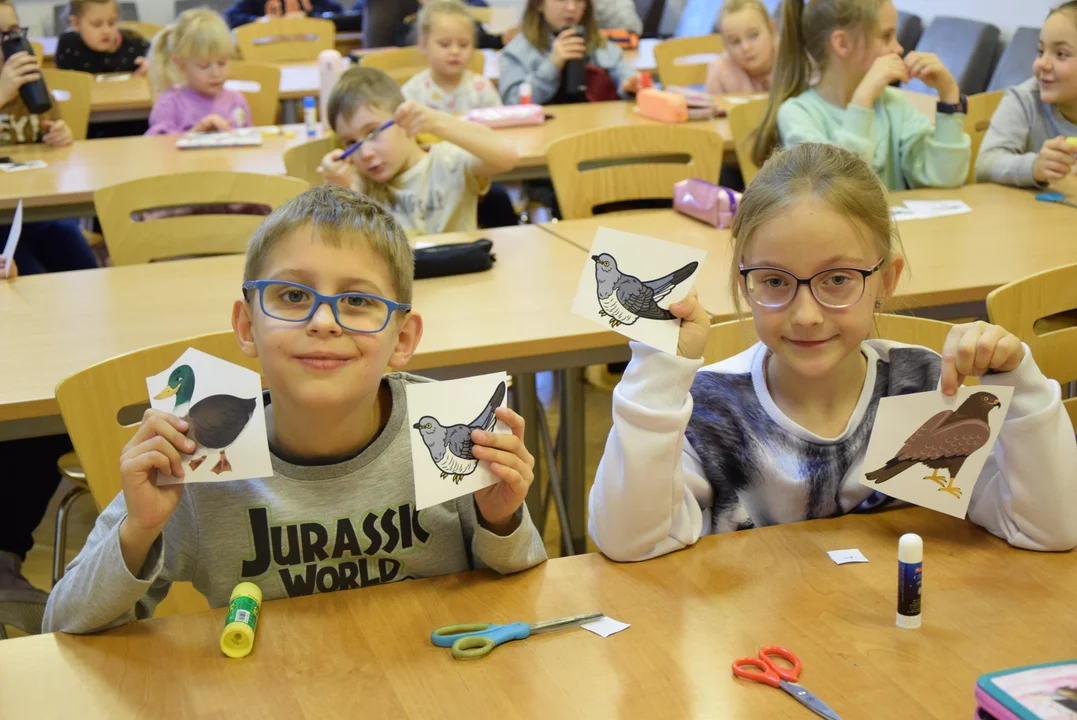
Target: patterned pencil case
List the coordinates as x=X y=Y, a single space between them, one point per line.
x=706 y=202
x=454 y=259
x=1034 y=692
x=508 y=116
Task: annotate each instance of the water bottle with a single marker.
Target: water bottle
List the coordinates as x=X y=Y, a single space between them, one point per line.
x=34 y=94
x=576 y=70
x=310 y=116
x=330 y=67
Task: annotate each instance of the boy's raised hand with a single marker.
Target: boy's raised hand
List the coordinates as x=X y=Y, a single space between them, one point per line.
x=513 y=465
x=975 y=349
x=695 y=326
x=155 y=448
x=1055 y=160
x=337 y=171
x=415 y=118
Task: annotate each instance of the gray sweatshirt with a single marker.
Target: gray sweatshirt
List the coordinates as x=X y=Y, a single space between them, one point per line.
x=618 y=15
x=522 y=62
x=1019 y=128
x=307 y=529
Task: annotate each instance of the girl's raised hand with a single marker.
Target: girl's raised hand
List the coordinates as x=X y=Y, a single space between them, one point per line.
x=141 y=67
x=884 y=71
x=337 y=171
x=695 y=326
x=929 y=69
x=976 y=348
x=567 y=46
x=1055 y=160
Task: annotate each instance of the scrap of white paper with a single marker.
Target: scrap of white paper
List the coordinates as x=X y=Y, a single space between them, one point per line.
x=215 y=393
x=629 y=281
x=20 y=166
x=852 y=555
x=605 y=626
x=61 y=95
x=243 y=86
x=924 y=209
x=894 y=444
x=13 y=238
x=440 y=418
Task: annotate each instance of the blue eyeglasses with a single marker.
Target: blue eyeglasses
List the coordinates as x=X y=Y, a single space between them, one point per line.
x=353 y=311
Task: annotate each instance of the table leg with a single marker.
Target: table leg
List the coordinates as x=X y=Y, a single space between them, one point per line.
x=573 y=446
x=525 y=403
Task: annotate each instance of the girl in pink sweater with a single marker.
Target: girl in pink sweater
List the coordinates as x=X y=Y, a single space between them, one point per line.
x=751 y=47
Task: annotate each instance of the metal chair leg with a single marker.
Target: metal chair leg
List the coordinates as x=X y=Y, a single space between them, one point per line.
x=59 y=552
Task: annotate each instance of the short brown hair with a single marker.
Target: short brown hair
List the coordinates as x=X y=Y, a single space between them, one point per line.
x=75 y=7
x=339 y=216
x=362 y=86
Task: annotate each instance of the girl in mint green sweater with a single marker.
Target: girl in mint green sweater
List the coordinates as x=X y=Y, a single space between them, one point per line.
x=843 y=95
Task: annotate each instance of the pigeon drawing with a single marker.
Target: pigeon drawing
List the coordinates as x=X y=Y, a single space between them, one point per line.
x=624 y=299
x=450 y=447
x=944 y=441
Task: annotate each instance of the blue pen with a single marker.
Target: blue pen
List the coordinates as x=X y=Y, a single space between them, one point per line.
x=355 y=147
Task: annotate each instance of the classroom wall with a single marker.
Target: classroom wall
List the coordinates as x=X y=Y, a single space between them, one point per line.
x=1008 y=15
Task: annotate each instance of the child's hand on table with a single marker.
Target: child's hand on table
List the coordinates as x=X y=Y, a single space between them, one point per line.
x=513 y=465
x=631 y=84
x=12 y=272
x=141 y=67
x=975 y=349
x=1055 y=160
x=212 y=123
x=57 y=133
x=695 y=326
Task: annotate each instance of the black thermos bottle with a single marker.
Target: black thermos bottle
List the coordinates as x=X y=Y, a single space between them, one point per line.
x=34 y=94
x=576 y=70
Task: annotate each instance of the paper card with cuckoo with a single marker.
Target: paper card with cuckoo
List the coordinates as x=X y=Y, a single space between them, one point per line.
x=629 y=281
x=929 y=449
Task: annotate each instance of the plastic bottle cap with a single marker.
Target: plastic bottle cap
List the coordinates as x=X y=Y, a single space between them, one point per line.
x=910 y=548
x=308 y=102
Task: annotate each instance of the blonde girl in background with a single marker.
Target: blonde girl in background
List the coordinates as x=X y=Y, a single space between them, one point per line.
x=750 y=38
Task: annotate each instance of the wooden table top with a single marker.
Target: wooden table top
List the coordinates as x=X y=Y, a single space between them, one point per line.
x=367 y=653
x=951 y=260
x=57 y=324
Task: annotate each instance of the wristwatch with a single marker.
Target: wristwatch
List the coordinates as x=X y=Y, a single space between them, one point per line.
x=962 y=106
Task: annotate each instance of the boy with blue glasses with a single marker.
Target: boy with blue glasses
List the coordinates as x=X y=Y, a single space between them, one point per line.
x=326 y=308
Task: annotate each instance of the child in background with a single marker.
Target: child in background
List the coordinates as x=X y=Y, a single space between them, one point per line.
x=434 y=191
x=853 y=46
x=248 y=11
x=548 y=39
x=408 y=33
x=338 y=433
x=778 y=433
x=1026 y=144
x=447 y=40
x=750 y=38
x=188 y=67
x=96 y=44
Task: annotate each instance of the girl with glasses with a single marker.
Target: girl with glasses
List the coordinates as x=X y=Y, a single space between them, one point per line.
x=778 y=433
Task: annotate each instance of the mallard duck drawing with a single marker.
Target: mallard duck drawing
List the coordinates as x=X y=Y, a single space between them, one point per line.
x=215 y=421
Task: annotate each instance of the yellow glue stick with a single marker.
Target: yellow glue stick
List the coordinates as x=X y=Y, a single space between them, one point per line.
x=1072 y=140
x=237 y=640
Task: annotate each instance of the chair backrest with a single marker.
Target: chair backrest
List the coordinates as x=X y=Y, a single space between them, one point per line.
x=147 y=31
x=744 y=122
x=699 y=17
x=981 y=107
x=382 y=18
x=729 y=338
x=129 y=12
x=968 y=49
x=260 y=84
x=1031 y=308
x=39 y=50
x=91 y=399
x=403 y=63
x=71 y=92
x=219 y=232
x=285 y=39
x=302 y=161
x=668 y=52
x=1015 y=65
x=629 y=162
x=910 y=28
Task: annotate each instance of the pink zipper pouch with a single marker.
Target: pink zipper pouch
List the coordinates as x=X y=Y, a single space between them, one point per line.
x=507 y=116
x=706 y=202
x=1035 y=692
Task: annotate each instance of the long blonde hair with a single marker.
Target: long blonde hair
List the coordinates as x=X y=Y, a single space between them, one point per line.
x=533 y=27
x=803 y=47
x=828 y=173
x=198 y=33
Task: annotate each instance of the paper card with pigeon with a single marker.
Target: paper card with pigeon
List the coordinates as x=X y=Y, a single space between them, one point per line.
x=929 y=449
x=222 y=402
x=629 y=281
x=442 y=416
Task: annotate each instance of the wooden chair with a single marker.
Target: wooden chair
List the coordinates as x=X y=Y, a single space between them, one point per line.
x=744 y=122
x=265 y=99
x=981 y=107
x=302 y=161
x=148 y=31
x=1039 y=309
x=39 y=51
x=71 y=92
x=401 y=64
x=130 y=242
x=90 y=401
x=285 y=39
x=667 y=52
x=629 y=162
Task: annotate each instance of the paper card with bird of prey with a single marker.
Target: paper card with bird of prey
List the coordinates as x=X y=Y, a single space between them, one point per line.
x=629 y=281
x=222 y=403
x=442 y=416
x=929 y=449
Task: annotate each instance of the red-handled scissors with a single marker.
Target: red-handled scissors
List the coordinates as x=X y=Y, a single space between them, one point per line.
x=778 y=676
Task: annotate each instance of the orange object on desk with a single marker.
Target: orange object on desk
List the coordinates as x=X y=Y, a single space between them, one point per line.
x=627 y=39
x=662 y=105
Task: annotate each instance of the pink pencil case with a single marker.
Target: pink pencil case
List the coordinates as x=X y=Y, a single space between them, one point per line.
x=508 y=116
x=706 y=202
x=700 y=104
x=1035 y=692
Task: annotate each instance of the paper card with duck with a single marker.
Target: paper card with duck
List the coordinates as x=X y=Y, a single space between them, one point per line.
x=222 y=402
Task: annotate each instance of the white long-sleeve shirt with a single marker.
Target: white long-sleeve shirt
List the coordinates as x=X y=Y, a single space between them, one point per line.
x=698 y=450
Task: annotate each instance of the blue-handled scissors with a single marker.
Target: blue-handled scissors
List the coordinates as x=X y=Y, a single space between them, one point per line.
x=1055 y=197
x=474 y=640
